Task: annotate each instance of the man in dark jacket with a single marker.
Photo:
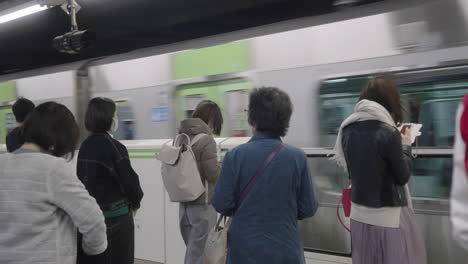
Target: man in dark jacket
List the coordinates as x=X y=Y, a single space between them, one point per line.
x=21 y=110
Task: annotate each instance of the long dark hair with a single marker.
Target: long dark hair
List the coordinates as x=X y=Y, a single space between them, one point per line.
x=52 y=127
x=383 y=90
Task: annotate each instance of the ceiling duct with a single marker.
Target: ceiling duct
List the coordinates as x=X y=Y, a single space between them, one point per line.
x=437 y=24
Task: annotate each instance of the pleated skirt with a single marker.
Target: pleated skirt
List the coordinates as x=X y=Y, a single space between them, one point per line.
x=384 y=245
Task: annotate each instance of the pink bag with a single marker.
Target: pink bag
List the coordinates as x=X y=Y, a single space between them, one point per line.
x=346 y=203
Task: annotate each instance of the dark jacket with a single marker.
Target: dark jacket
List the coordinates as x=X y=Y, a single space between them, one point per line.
x=378 y=164
x=206 y=154
x=14 y=140
x=104 y=168
x=264 y=228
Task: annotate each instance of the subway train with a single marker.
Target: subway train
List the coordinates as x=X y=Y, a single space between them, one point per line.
x=432 y=84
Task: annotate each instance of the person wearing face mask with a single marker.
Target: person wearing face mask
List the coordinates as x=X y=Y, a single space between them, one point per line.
x=105 y=170
x=198 y=217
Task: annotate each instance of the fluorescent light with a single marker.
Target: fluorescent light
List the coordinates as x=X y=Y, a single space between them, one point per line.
x=336 y=80
x=21 y=13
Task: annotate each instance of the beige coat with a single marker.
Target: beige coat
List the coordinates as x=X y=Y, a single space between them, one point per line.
x=206 y=155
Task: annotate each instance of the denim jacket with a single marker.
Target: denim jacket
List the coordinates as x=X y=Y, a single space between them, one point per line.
x=264 y=227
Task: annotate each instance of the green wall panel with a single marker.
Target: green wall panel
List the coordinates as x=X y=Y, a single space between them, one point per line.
x=4 y=111
x=226 y=58
x=7 y=92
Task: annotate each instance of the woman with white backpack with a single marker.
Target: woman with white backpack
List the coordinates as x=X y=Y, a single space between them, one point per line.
x=198 y=217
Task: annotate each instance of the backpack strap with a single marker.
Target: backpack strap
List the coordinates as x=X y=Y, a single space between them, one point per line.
x=176 y=142
x=197 y=138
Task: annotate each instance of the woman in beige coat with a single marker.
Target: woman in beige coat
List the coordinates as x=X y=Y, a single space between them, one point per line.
x=198 y=217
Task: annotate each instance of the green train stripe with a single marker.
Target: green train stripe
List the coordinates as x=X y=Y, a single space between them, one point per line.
x=144 y=150
x=142 y=157
x=150 y=153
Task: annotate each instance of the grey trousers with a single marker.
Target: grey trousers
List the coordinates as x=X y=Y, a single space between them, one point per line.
x=196 y=221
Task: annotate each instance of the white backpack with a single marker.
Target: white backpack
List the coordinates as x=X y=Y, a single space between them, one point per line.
x=180 y=171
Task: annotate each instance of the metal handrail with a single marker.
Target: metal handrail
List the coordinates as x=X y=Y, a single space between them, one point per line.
x=426 y=152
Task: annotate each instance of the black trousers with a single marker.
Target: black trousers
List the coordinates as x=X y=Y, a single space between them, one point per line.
x=121 y=243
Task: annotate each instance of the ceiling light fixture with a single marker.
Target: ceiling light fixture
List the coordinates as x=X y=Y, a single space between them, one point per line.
x=21 y=13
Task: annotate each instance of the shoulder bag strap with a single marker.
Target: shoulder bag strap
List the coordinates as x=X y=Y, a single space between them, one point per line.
x=257 y=176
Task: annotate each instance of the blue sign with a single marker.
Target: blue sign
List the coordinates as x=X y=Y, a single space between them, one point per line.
x=160 y=114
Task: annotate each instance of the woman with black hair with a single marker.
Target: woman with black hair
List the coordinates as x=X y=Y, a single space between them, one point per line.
x=21 y=109
x=104 y=168
x=266 y=187
x=42 y=202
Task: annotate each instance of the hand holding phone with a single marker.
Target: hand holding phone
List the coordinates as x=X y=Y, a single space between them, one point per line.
x=405 y=129
x=406 y=135
x=410 y=130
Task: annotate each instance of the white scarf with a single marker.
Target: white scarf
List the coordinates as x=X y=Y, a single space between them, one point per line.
x=363 y=111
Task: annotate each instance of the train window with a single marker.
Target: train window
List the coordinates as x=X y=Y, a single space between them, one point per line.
x=127 y=121
x=231 y=96
x=431 y=178
x=236 y=103
x=10 y=122
x=191 y=102
x=430 y=102
x=334 y=111
x=433 y=104
x=7 y=121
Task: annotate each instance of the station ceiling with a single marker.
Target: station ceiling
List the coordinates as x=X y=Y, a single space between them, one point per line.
x=122 y=26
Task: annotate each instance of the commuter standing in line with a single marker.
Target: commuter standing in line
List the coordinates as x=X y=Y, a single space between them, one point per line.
x=42 y=201
x=21 y=109
x=197 y=218
x=378 y=160
x=104 y=168
x=459 y=195
x=265 y=211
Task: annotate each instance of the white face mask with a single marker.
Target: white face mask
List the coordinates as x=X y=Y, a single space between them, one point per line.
x=115 y=124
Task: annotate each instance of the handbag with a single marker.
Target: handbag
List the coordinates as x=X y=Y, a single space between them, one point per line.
x=346 y=200
x=346 y=204
x=216 y=243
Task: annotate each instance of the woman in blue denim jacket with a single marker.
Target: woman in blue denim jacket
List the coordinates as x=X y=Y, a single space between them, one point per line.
x=264 y=225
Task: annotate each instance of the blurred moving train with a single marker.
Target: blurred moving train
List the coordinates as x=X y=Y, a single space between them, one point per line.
x=323 y=94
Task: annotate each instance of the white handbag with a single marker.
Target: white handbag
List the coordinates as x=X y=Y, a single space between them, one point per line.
x=216 y=243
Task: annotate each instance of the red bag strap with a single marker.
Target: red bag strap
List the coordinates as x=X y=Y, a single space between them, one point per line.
x=341 y=220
